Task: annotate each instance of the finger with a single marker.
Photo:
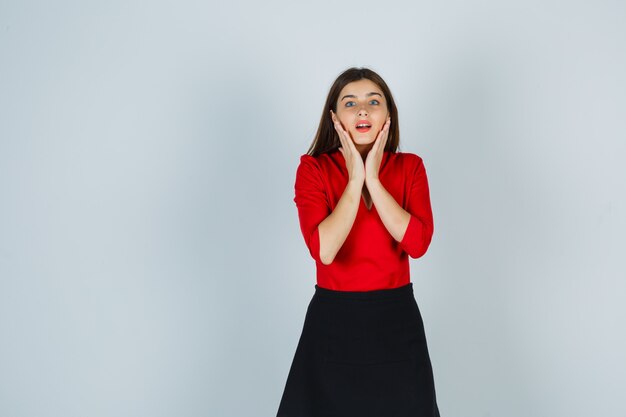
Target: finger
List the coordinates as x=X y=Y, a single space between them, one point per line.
x=375 y=146
x=385 y=133
x=384 y=142
x=347 y=145
x=337 y=127
x=344 y=136
x=342 y=139
x=379 y=139
x=384 y=130
x=386 y=126
x=347 y=139
x=383 y=145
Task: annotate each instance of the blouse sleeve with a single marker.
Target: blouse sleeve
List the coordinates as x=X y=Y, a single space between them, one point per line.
x=419 y=231
x=311 y=201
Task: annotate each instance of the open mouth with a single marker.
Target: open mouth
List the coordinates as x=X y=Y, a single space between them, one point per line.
x=363 y=126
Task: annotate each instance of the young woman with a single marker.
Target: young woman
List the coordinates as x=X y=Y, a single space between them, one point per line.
x=363 y=208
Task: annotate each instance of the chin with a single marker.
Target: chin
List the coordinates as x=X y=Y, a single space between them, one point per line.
x=363 y=140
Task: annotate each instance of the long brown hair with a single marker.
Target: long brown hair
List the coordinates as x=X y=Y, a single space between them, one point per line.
x=326 y=138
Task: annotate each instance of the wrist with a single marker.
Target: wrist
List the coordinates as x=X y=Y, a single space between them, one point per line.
x=356 y=182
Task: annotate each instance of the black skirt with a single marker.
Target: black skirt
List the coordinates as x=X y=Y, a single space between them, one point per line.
x=361 y=354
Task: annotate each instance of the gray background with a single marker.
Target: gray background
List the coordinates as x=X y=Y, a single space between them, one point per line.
x=151 y=262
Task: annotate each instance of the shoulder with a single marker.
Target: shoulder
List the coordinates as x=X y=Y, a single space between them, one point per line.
x=308 y=162
x=308 y=159
x=309 y=169
x=322 y=161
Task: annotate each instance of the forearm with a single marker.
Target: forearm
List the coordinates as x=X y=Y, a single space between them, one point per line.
x=393 y=216
x=335 y=228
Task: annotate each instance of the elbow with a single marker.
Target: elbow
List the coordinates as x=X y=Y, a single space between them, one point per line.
x=418 y=252
x=316 y=250
x=325 y=256
x=417 y=238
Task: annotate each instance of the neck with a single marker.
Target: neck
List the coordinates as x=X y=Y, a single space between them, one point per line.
x=364 y=149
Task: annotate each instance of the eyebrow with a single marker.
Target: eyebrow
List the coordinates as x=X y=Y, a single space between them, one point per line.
x=367 y=95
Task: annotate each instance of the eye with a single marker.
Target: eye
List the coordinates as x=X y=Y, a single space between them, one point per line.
x=374 y=101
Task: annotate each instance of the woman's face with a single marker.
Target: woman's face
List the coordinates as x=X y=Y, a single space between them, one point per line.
x=362 y=102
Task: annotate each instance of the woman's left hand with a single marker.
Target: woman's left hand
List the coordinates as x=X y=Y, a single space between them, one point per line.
x=375 y=155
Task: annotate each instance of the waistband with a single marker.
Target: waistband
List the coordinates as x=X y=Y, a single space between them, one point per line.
x=382 y=294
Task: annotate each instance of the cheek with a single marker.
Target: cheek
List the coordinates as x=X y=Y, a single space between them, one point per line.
x=380 y=110
x=345 y=120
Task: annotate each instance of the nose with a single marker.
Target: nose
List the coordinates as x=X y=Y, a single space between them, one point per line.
x=362 y=112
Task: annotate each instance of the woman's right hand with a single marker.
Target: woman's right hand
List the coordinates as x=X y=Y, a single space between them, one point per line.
x=354 y=161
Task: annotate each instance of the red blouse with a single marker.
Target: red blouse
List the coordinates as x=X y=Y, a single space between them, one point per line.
x=370 y=258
